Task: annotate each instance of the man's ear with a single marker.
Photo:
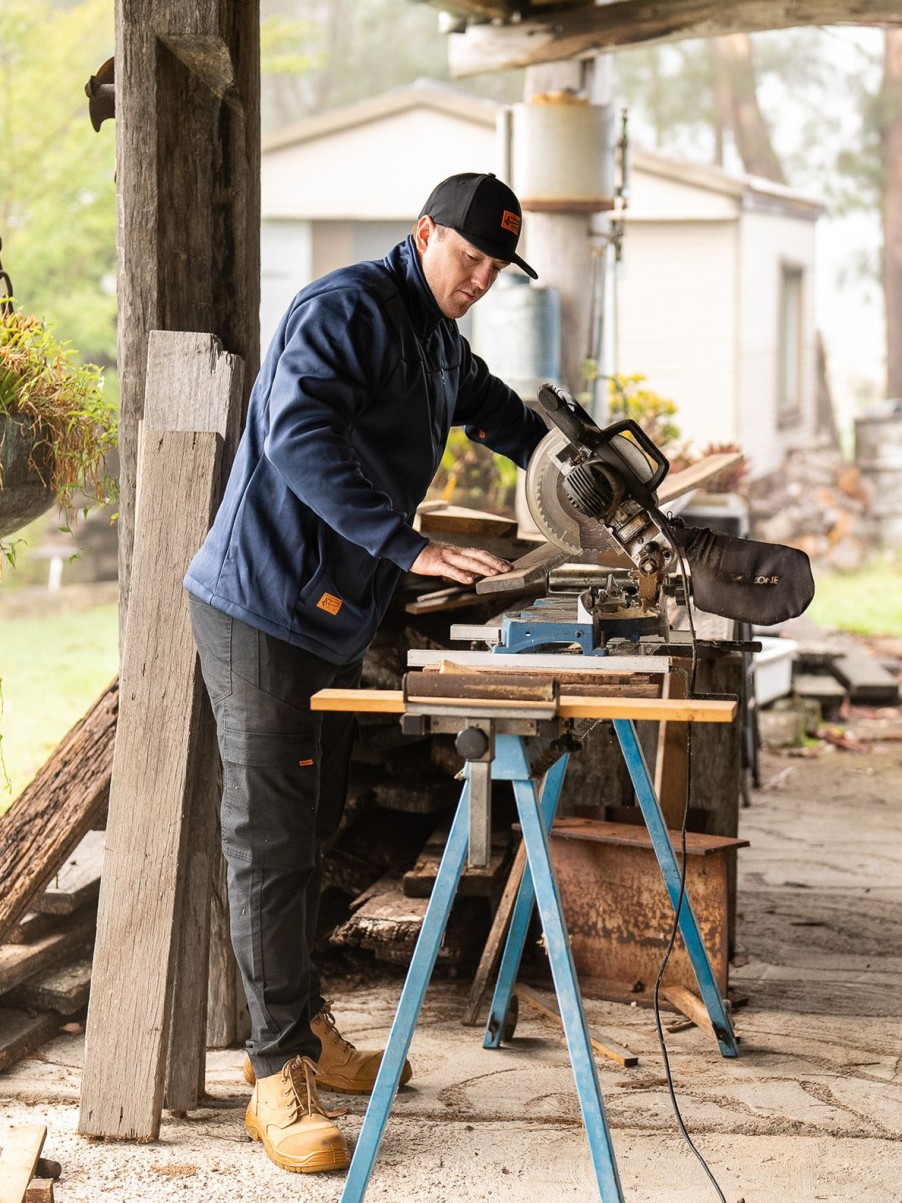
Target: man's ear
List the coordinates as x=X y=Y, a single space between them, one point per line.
x=423 y=232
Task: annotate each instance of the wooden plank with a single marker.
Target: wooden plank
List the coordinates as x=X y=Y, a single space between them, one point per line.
x=443 y=519
x=52 y=815
x=39 y=1190
x=64 y=989
x=150 y=808
x=635 y=835
x=474 y=882
x=78 y=881
x=866 y=681
x=527 y=570
x=20 y=1149
x=388 y=924
x=696 y=476
x=544 y=661
x=21 y=1032
x=582 y=30
x=690 y=1005
x=547 y=1005
x=391 y=701
x=192 y=384
x=491 y=954
x=21 y=961
x=30 y=927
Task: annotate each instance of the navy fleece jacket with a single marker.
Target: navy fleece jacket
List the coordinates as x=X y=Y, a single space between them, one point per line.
x=346 y=427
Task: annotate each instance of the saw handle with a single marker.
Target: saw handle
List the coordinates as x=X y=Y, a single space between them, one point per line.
x=583 y=431
x=645 y=444
x=568 y=415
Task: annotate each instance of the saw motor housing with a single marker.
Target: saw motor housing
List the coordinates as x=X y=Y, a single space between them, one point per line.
x=591 y=490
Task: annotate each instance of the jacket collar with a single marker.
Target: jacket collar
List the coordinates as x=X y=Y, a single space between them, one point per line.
x=404 y=264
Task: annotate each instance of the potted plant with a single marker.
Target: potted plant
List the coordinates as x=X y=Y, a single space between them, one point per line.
x=56 y=428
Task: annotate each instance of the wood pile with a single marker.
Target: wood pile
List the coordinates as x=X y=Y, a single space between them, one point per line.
x=819 y=503
x=51 y=854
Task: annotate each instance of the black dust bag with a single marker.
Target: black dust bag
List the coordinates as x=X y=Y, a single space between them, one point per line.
x=760 y=583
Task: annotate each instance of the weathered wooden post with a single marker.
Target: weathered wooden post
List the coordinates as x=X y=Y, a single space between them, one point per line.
x=188 y=172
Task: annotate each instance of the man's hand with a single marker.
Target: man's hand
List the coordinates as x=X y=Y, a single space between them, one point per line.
x=464 y=564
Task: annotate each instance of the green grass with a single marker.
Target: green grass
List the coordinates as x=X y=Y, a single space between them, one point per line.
x=867 y=602
x=52 y=668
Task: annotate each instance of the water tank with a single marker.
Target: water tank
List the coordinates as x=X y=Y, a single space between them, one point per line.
x=562 y=155
x=878 y=454
x=517 y=331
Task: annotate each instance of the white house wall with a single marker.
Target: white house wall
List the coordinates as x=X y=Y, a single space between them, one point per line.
x=767 y=241
x=677 y=320
x=380 y=171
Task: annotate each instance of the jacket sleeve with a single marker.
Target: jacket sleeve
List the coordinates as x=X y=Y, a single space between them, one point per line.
x=493 y=414
x=337 y=347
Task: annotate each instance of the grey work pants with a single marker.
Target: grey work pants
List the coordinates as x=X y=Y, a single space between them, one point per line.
x=285 y=780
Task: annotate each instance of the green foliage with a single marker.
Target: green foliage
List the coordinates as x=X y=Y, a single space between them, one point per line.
x=57 y=192
x=357 y=48
x=288 y=47
x=472 y=475
x=654 y=413
x=62 y=400
x=867 y=601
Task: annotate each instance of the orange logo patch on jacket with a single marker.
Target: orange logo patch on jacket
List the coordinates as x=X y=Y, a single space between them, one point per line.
x=330 y=603
x=510 y=221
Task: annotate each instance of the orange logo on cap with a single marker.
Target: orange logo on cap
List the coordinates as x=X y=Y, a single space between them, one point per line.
x=330 y=603
x=510 y=221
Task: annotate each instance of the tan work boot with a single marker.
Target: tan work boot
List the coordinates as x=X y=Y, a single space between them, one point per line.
x=286 y=1114
x=341 y=1066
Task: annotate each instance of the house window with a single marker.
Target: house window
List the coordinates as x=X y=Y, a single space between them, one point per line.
x=789 y=382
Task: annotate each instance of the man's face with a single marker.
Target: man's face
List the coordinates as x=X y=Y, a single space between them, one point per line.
x=457 y=272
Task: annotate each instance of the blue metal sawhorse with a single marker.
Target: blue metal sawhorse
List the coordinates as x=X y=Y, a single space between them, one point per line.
x=538 y=885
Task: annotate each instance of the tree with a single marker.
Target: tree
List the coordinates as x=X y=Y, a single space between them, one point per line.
x=57 y=192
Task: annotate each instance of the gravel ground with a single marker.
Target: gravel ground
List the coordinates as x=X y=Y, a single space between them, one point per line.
x=811 y=1109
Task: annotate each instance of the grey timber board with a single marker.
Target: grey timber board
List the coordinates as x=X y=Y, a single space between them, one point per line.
x=21 y=1032
x=63 y=989
x=30 y=927
x=192 y=384
x=78 y=881
x=141 y=894
x=18 y=962
x=865 y=680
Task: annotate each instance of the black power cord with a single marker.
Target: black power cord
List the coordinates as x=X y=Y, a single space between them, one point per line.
x=674 y=931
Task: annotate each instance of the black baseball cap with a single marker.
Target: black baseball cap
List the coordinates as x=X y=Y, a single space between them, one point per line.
x=483 y=210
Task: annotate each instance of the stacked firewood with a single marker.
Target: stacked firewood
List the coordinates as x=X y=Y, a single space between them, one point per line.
x=819 y=503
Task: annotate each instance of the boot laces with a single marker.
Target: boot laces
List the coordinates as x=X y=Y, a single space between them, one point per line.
x=329 y=1021
x=300 y=1073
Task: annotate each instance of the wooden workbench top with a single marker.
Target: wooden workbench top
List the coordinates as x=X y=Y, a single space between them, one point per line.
x=678 y=710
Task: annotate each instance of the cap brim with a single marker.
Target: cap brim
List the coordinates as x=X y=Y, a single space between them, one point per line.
x=482 y=244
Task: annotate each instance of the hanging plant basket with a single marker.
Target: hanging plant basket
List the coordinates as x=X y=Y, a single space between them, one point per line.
x=55 y=426
x=25 y=470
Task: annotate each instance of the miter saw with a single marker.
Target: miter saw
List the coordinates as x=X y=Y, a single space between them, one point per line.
x=613 y=556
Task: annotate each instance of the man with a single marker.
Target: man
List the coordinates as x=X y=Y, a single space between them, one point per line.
x=346 y=427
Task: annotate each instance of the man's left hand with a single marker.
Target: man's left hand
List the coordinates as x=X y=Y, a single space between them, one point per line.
x=463 y=564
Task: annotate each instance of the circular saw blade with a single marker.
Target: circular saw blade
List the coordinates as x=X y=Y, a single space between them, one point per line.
x=552 y=511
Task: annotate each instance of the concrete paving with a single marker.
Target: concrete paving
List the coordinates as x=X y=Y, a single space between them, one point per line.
x=811 y=1110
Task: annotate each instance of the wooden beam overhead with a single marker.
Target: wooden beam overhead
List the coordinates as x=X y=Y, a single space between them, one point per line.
x=581 y=30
